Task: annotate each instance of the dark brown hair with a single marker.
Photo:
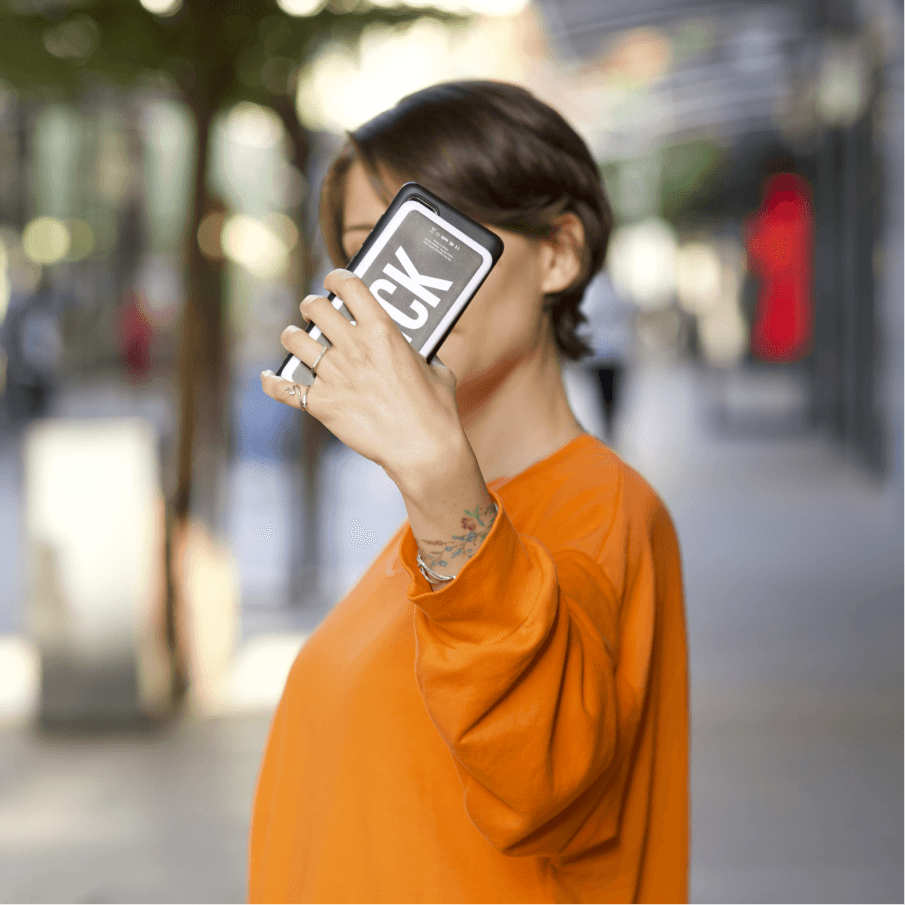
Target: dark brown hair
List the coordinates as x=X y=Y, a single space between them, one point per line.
x=498 y=154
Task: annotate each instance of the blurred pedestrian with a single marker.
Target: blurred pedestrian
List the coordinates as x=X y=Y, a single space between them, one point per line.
x=611 y=337
x=134 y=328
x=31 y=337
x=135 y=336
x=498 y=711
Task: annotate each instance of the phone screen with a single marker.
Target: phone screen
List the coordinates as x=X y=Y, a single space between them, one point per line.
x=419 y=274
x=421 y=269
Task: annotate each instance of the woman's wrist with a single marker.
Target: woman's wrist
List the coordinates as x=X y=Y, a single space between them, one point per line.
x=466 y=544
x=450 y=510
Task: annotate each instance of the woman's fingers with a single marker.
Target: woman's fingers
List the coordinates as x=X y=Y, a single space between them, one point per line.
x=326 y=317
x=282 y=390
x=300 y=344
x=362 y=305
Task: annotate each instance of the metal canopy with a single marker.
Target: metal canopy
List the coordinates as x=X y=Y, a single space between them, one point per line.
x=735 y=63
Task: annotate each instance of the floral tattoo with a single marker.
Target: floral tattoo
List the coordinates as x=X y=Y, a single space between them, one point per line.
x=476 y=524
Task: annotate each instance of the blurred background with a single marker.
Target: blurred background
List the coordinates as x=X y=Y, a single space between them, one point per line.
x=169 y=536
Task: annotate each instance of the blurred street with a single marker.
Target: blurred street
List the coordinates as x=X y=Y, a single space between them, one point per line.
x=793 y=572
x=169 y=533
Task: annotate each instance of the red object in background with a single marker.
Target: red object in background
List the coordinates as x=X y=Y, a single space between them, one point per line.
x=779 y=239
x=135 y=336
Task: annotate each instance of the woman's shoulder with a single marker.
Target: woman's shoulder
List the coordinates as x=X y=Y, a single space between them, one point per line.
x=595 y=471
x=595 y=490
x=592 y=510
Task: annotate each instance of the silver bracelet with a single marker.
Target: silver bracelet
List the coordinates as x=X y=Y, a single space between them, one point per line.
x=425 y=569
x=429 y=573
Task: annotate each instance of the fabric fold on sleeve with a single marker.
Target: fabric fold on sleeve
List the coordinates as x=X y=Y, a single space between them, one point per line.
x=517 y=663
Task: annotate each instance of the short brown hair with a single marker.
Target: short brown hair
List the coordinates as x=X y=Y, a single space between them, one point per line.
x=498 y=154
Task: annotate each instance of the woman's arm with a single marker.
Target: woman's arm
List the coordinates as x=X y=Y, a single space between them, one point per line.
x=449 y=507
x=518 y=661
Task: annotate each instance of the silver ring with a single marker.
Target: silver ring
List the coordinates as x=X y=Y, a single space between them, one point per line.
x=319 y=357
x=294 y=388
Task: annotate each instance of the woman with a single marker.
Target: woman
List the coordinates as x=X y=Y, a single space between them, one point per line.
x=507 y=722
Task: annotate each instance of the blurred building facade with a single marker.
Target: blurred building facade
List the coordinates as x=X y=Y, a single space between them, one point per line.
x=690 y=112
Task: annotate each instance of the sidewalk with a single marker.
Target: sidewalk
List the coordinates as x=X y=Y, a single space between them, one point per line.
x=793 y=577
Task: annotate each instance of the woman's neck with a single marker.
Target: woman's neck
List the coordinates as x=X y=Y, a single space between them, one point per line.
x=524 y=420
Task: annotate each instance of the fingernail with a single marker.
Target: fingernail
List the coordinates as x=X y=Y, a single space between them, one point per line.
x=266 y=373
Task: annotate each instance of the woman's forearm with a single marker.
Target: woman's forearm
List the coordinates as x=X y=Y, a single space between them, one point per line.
x=449 y=508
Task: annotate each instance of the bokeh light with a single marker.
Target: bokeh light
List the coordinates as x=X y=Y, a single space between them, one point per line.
x=284 y=228
x=20 y=672
x=698 y=277
x=46 y=240
x=255 y=245
x=162 y=7
x=643 y=262
x=210 y=233
x=342 y=88
x=254 y=125
x=723 y=334
x=74 y=38
x=301 y=7
x=479 y=7
x=842 y=89
x=639 y=57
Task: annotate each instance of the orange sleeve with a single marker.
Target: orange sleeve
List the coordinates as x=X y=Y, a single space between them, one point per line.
x=518 y=662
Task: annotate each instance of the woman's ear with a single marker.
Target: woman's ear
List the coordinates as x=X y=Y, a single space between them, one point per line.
x=563 y=257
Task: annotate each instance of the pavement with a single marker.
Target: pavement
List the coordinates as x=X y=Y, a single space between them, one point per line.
x=793 y=565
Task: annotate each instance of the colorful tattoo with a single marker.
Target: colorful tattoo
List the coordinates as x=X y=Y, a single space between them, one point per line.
x=476 y=524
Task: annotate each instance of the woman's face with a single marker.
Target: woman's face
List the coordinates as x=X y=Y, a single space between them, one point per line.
x=503 y=324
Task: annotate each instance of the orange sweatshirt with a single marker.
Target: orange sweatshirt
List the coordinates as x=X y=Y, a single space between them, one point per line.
x=519 y=735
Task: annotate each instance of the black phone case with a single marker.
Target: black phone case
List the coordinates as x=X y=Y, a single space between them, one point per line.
x=424 y=273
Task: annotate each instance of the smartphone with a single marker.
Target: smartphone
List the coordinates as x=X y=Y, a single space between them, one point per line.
x=423 y=261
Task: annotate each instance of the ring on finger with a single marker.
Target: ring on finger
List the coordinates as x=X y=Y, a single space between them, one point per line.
x=318 y=360
x=294 y=389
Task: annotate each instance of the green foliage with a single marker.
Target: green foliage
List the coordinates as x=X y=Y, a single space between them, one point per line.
x=213 y=52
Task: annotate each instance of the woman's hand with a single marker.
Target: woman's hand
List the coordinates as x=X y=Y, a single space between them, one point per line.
x=373 y=391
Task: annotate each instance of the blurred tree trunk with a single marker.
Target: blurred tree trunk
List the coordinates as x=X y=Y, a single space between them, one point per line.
x=202 y=354
x=306 y=578
x=203 y=391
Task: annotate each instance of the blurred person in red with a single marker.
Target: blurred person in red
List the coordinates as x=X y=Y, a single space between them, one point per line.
x=135 y=330
x=779 y=240
x=135 y=334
